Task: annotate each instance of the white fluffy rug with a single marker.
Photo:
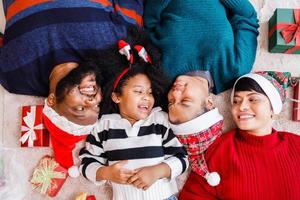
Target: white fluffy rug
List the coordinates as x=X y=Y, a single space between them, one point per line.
x=27 y=158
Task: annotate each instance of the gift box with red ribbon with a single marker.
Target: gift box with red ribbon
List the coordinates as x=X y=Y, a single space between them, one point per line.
x=48 y=177
x=33 y=132
x=296 y=106
x=284 y=31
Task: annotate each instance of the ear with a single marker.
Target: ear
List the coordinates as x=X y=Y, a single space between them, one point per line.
x=51 y=100
x=209 y=103
x=272 y=114
x=115 y=97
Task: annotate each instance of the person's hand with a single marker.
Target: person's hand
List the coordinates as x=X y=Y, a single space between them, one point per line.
x=146 y=176
x=115 y=173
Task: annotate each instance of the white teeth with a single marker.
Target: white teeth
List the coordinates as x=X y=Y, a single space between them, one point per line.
x=144 y=107
x=245 y=116
x=88 y=89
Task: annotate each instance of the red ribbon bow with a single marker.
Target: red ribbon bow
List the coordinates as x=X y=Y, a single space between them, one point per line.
x=291 y=32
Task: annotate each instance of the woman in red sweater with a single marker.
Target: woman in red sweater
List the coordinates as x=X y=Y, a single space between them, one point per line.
x=254 y=161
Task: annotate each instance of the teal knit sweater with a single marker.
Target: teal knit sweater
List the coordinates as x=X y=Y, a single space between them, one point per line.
x=219 y=36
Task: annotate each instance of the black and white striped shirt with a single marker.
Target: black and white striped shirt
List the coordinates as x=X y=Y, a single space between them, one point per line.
x=145 y=143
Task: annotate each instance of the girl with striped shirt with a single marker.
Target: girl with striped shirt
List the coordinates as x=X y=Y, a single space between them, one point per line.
x=134 y=147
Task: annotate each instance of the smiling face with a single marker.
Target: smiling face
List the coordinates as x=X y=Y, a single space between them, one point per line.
x=252 y=112
x=188 y=98
x=81 y=104
x=136 y=100
x=75 y=92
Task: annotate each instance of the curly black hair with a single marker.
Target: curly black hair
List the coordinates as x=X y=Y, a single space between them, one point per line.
x=112 y=63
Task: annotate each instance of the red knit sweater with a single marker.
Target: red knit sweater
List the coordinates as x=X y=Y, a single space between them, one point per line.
x=250 y=167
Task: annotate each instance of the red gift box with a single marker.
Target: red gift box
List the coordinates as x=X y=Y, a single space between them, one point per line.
x=34 y=134
x=296 y=106
x=48 y=177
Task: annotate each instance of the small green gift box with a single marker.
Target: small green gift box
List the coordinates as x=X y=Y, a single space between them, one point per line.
x=284 y=31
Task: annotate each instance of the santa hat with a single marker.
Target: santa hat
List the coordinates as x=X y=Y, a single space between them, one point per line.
x=64 y=136
x=125 y=49
x=270 y=85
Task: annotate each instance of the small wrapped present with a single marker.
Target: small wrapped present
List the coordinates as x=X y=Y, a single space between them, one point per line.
x=284 y=31
x=48 y=177
x=296 y=105
x=33 y=132
x=84 y=196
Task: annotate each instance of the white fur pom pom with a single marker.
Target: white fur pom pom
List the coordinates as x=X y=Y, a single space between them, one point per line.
x=73 y=171
x=213 y=178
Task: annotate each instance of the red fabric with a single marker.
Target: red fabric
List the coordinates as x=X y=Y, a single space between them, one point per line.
x=250 y=167
x=63 y=143
x=122 y=44
x=296 y=106
x=143 y=53
x=42 y=138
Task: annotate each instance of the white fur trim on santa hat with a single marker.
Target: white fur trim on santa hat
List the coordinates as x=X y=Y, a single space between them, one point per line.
x=64 y=124
x=267 y=87
x=213 y=178
x=198 y=124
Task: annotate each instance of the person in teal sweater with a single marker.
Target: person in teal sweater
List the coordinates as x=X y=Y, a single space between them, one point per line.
x=219 y=36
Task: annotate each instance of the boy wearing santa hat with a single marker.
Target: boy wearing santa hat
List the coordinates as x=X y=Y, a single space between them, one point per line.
x=72 y=108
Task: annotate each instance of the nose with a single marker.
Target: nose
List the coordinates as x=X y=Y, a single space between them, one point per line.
x=177 y=92
x=244 y=105
x=178 y=88
x=174 y=98
x=91 y=100
x=146 y=97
